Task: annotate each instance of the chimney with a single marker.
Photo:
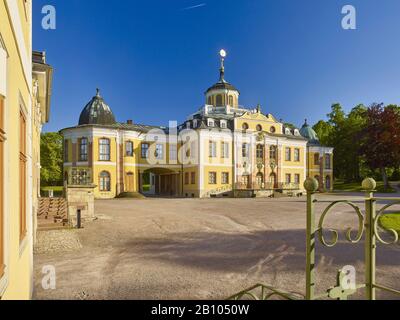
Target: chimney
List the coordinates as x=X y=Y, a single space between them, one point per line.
x=129 y=122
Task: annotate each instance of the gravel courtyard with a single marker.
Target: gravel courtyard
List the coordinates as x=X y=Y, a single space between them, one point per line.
x=199 y=249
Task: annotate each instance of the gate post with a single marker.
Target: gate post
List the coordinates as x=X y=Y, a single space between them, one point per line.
x=311 y=185
x=369 y=186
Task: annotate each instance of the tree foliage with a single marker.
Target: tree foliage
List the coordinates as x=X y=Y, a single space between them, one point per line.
x=51 y=146
x=358 y=136
x=380 y=139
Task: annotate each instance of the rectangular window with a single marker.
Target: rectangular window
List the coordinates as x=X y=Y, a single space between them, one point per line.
x=2 y=140
x=260 y=152
x=186 y=178
x=316 y=159
x=297 y=155
x=212 y=149
x=288 y=155
x=83 y=149
x=129 y=148
x=66 y=153
x=104 y=149
x=145 y=150
x=193 y=178
x=328 y=162
x=225 y=150
x=297 y=178
x=288 y=178
x=173 y=153
x=245 y=150
x=159 y=153
x=225 y=177
x=212 y=178
x=22 y=176
x=193 y=148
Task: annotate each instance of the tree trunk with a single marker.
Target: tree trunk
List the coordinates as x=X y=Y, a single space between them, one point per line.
x=385 y=178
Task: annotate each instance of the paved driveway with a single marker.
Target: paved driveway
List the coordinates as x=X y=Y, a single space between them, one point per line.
x=200 y=249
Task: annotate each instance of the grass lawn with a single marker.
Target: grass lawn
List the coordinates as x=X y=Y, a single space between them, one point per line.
x=55 y=189
x=356 y=187
x=391 y=221
x=58 y=191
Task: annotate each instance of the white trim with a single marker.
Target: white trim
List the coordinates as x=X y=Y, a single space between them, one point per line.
x=25 y=54
x=3 y=71
x=105 y=163
x=4 y=281
x=293 y=167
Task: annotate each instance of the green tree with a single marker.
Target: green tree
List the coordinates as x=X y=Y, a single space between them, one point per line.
x=324 y=131
x=341 y=131
x=51 y=149
x=381 y=139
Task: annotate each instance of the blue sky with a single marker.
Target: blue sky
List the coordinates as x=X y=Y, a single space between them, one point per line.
x=153 y=60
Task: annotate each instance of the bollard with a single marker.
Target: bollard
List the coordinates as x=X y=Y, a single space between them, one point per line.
x=79 y=219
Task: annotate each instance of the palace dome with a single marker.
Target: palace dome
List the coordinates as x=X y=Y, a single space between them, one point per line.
x=97 y=112
x=222 y=85
x=308 y=132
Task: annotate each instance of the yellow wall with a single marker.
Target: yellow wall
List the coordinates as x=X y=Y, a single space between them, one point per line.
x=252 y=120
x=18 y=255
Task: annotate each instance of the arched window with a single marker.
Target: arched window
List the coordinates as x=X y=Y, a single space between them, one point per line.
x=272 y=180
x=272 y=129
x=210 y=101
x=231 y=101
x=259 y=128
x=245 y=180
x=105 y=181
x=328 y=183
x=104 y=149
x=259 y=179
x=245 y=127
x=272 y=152
x=219 y=101
x=260 y=151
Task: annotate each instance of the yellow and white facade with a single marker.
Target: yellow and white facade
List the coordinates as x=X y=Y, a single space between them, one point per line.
x=221 y=150
x=25 y=88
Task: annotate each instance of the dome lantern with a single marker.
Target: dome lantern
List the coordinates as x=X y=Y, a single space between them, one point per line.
x=222 y=93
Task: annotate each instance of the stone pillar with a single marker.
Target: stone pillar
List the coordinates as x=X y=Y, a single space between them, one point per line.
x=80 y=198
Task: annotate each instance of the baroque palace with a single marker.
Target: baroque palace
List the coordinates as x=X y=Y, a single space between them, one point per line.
x=223 y=149
x=25 y=90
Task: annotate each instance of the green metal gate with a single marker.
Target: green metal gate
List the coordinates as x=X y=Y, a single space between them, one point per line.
x=368 y=225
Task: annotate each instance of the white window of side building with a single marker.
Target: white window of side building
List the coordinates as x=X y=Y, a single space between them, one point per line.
x=288 y=154
x=212 y=149
x=225 y=150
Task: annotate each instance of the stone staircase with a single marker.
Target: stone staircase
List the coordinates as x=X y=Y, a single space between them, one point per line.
x=52 y=214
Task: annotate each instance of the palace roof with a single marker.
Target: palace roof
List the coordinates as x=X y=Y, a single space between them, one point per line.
x=97 y=112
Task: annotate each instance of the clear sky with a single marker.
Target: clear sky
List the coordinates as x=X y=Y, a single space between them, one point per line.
x=154 y=59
